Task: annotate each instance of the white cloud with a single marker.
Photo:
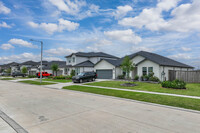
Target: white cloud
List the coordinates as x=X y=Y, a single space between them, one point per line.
x=150 y=18
x=4 y=9
x=71 y=8
x=126 y=36
x=183 y=18
x=99 y=45
x=59 y=52
x=5 y=25
x=186 y=49
x=25 y=57
x=180 y=56
x=18 y=58
x=21 y=42
x=78 y=9
x=136 y=49
x=122 y=11
x=52 y=27
x=6 y=46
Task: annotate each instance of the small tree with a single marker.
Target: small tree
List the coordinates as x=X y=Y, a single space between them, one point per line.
x=2 y=70
x=72 y=73
x=127 y=66
x=24 y=70
x=54 y=68
x=8 y=70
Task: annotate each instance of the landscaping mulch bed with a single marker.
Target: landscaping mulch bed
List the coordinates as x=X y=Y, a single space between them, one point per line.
x=128 y=84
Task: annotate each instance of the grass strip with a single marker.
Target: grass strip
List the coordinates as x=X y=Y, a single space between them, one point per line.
x=192 y=88
x=7 y=79
x=187 y=103
x=57 y=80
x=36 y=82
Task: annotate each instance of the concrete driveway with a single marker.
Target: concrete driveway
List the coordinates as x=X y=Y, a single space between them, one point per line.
x=42 y=110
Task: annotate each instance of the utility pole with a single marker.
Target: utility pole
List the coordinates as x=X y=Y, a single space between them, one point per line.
x=41 y=58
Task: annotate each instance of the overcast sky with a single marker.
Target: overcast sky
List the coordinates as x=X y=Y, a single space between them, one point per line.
x=167 y=27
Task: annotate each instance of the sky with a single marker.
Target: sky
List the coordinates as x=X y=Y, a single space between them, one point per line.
x=119 y=27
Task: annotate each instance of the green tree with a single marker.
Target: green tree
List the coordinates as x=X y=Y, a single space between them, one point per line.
x=72 y=73
x=2 y=70
x=54 y=68
x=127 y=66
x=8 y=70
x=24 y=70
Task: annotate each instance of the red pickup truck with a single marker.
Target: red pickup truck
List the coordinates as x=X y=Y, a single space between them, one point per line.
x=44 y=74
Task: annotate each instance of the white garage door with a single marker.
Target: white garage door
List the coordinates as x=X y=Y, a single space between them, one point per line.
x=104 y=74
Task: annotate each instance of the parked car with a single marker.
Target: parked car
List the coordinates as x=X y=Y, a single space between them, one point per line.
x=44 y=74
x=5 y=74
x=84 y=76
x=16 y=74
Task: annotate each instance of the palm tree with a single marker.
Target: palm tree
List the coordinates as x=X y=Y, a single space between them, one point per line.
x=54 y=68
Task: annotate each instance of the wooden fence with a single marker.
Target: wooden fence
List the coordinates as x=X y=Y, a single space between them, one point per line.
x=187 y=76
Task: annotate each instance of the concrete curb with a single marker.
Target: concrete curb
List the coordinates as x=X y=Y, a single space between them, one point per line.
x=12 y=123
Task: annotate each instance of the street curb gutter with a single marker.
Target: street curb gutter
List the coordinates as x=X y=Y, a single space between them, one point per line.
x=12 y=123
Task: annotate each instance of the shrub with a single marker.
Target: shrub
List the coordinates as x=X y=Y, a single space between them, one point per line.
x=121 y=76
x=145 y=78
x=62 y=77
x=136 y=77
x=154 y=78
x=176 y=84
x=32 y=76
x=68 y=77
x=151 y=74
x=58 y=77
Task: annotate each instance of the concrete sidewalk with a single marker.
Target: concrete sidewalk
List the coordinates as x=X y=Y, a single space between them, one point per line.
x=149 y=92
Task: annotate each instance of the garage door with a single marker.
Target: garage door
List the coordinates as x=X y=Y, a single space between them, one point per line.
x=104 y=74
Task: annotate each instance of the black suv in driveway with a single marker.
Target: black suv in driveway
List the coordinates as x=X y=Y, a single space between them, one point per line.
x=84 y=76
x=16 y=74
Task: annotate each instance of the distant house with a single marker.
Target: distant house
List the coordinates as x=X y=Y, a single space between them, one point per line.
x=34 y=67
x=46 y=66
x=145 y=63
x=82 y=61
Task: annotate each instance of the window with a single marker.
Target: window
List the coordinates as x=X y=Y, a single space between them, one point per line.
x=144 y=71
x=73 y=59
x=69 y=60
x=150 y=70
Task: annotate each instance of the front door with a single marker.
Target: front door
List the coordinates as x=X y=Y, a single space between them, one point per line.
x=134 y=73
x=77 y=70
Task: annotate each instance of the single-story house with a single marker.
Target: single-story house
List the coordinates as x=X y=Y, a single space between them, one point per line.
x=145 y=63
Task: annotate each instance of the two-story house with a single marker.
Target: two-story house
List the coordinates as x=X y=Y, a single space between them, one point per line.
x=82 y=61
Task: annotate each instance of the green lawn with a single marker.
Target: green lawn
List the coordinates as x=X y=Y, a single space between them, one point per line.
x=7 y=79
x=192 y=89
x=36 y=82
x=187 y=103
x=57 y=80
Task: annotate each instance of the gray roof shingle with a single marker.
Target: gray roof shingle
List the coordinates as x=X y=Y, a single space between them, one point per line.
x=85 y=64
x=93 y=54
x=161 y=60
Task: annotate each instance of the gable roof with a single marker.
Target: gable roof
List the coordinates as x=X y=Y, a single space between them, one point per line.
x=161 y=60
x=61 y=64
x=29 y=63
x=85 y=64
x=93 y=54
